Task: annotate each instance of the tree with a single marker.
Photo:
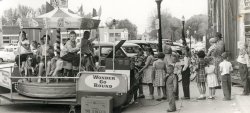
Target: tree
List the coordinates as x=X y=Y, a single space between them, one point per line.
x=126 y=24
x=42 y=9
x=197 y=26
x=171 y=26
x=10 y=16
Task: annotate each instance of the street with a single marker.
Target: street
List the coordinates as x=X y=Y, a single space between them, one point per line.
x=143 y=105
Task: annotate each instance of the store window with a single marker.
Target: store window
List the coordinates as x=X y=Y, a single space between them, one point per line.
x=6 y=40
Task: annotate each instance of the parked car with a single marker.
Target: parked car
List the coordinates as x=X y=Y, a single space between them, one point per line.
x=7 y=54
x=104 y=48
x=143 y=44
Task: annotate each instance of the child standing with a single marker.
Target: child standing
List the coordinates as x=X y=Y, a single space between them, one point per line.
x=212 y=81
x=159 y=70
x=225 y=69
x=201 y=75
x=171 y=82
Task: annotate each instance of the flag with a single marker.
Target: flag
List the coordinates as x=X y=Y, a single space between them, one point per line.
x=80 y=11
x=49 y=7
x=100 y=11
x=94 y=14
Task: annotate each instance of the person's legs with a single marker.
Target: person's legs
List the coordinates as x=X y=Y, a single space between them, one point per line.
x=243 y=74
x=164 y=92
x=151 y=90
x=203 y=84
x=136 y=92
x=229 y=83
x=225 y=87
x=48 y=70
x=159 y=93
x=40 y=71
x=210 y=92
x=185 y=85
x=199 y=87
x=141 y=95
x=171 y=97
x=177 y=89
x=213 y=92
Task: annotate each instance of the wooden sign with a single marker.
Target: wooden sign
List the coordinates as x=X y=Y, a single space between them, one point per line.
x=102 y=82
x=5 y=79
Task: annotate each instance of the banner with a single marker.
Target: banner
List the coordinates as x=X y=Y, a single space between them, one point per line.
x=5 y=79
x=58 y=22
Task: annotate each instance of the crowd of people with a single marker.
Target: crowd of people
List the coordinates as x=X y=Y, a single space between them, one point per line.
x=161 y=71
x=40 y=59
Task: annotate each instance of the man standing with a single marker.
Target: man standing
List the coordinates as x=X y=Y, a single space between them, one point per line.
x=243 y=60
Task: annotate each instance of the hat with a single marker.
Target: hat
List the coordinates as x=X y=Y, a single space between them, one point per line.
x=219 y=35
x=212 y=40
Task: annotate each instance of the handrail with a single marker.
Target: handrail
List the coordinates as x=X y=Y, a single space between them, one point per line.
x=7 y=67
x=46 y=77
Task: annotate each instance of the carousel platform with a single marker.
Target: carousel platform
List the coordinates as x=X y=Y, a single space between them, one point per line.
x=17 y=98
x=46 y=90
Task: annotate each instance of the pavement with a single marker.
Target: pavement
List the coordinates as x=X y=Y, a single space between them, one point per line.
x=192 y=105
x=243 y=103
x=238 y=104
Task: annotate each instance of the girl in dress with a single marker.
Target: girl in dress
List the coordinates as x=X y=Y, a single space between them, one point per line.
x=201 y=75
x=212 y=81
x=159 y=74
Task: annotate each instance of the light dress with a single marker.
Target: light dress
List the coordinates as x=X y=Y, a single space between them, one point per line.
x=159 y=67
x=147 y=78
x=212 y=80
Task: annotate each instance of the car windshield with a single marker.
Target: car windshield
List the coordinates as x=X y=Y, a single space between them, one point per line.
x=131 y=49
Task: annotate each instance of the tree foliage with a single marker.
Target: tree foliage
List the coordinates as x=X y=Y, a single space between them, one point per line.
x=126 y=24
x=197 y=26
x=171 y=26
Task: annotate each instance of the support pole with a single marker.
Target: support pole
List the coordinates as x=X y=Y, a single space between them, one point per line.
x=58 y=41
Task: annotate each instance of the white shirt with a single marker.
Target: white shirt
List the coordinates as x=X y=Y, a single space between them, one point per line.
x=244 y=59
x=225 y=67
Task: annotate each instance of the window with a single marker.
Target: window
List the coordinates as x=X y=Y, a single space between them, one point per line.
x=6 y=41
x=111 y=34
x=131 y=49
x=6 y=38
x=105 y=51
x=118 y=35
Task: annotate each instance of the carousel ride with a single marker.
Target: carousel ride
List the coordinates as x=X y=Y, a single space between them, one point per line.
x=59 y=19
x=114 y=80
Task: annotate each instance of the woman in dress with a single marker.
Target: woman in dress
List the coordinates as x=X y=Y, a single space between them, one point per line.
x=159 y=75
x=147 y=71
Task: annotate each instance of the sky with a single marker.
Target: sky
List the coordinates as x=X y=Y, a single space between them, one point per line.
x=137 y=11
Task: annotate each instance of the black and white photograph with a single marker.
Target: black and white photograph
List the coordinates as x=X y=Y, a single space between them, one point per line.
x=124 y=56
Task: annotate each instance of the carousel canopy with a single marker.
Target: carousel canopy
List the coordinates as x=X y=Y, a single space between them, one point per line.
x=59 y=12
x=59 y=18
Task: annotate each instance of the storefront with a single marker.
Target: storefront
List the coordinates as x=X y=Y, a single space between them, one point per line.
x=232 y=19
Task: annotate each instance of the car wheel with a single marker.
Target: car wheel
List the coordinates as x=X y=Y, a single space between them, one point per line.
x=1 y=60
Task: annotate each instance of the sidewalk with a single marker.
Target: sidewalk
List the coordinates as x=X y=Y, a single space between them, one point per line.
x=244 y=103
